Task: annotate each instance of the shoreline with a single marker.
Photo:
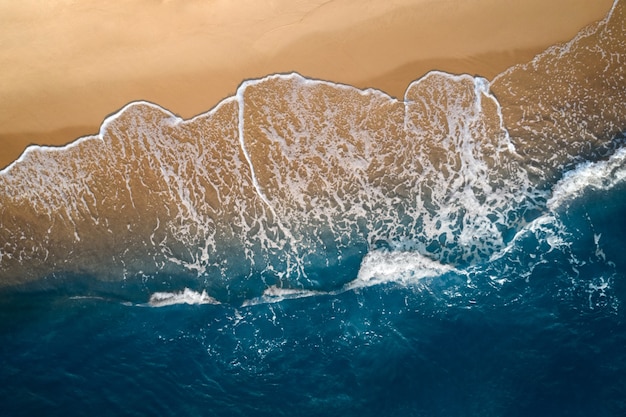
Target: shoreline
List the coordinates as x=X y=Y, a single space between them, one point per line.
x=58 y=109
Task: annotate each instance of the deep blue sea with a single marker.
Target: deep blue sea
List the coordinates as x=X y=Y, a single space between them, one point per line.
x=307 y=248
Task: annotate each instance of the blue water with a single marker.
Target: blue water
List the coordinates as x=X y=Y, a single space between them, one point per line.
x=538 y=330
x=307 y=248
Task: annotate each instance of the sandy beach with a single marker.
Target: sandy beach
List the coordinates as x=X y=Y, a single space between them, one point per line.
x=67 y=64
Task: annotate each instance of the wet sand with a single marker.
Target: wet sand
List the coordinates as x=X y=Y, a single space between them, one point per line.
x=66 y=65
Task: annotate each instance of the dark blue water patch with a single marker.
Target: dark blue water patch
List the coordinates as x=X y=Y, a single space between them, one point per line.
x=384 y=350
x=600 y=214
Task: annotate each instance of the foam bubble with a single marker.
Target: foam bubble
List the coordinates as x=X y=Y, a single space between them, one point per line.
x=187 y=296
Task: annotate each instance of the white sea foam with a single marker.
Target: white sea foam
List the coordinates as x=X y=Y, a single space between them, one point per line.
x=377 y=268
x=274 y=294
x=602 y=175
x=187 y=296
x=405 y=268
x=174 y=119
x=46 y=148
x=241 y=125
x=103 y=128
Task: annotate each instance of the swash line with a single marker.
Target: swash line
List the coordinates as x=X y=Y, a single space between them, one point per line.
x=240 y=126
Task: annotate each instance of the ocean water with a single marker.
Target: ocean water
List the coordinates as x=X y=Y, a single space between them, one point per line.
x=307 y=248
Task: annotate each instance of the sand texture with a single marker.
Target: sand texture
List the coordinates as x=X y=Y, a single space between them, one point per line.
x=66 y=65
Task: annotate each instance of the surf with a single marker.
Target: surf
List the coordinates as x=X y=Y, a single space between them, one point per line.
x=295 y=183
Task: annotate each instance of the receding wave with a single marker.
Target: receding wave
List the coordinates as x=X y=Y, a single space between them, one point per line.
x=297 y=186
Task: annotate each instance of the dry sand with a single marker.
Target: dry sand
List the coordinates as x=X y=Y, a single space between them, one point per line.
x=66 y=64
